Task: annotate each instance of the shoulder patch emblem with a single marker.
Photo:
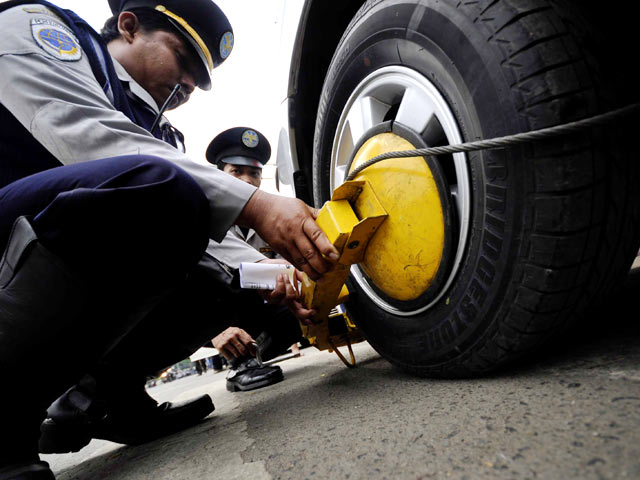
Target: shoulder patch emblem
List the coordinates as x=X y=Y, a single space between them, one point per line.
x=250 y=138
x=56 y=39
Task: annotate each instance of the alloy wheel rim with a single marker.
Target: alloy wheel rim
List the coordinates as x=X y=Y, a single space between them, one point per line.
x=403 y=95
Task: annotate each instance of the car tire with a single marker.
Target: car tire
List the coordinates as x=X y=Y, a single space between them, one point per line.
x=549 y=228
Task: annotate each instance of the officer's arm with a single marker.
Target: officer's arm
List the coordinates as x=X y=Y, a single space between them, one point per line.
x=232 y=251
x=62 y=105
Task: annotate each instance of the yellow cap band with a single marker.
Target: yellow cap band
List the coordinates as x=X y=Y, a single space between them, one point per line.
x=182 y=22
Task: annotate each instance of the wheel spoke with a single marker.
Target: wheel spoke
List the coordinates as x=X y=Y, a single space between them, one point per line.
x=373 y=112
x=345 y=150
x=364 y=114
x=434 y=135
x=416 y=110
x=339 y=174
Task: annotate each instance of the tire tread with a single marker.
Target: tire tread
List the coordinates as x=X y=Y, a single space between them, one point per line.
x=544 y=306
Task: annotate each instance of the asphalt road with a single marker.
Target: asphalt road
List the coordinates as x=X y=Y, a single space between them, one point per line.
x=571 y=413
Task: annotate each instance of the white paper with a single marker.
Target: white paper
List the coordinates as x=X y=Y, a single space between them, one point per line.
x=262 y=276
x=203 y=352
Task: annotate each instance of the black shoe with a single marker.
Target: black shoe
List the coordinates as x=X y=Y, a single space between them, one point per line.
x=135 y=427
x=27 y=471
x=249 y=375
x=75 y=418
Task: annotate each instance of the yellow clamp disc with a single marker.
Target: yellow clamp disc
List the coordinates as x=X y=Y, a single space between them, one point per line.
x=405 y=255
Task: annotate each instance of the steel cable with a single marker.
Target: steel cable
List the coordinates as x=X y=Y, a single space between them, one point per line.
x=506 y=141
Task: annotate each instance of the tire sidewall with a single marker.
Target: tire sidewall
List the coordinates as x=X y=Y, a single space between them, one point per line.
x=457 y=59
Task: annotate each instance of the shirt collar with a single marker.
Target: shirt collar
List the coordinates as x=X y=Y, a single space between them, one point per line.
x=134 y=87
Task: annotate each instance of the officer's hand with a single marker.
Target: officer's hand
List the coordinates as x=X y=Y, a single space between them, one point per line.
x=234 y=342
x=288 y=225
x=287 y=294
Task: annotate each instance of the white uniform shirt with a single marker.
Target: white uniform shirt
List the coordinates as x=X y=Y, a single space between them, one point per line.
x=238 y=247
x=63 y=106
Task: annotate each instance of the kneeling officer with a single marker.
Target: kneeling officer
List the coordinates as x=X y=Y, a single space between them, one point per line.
x=102 y=216
x=242 y=152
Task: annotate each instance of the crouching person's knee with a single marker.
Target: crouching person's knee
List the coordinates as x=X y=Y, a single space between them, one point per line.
x=147 y=222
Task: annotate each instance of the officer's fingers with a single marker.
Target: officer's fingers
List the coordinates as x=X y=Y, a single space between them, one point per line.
x=300 y=262
x=297 y=284
x=237 y=344
x=291 y=294
x=284 y=292
x=303 y=314
x=314 y=211
x=244 y=337
x=229 y=342
x=295 y=305
x=236 y=348
x=319 y=239
x=227 y=352
x=278 y=294
x=274 y=261
x=232 y=331
x=220 y=341
x=308 y=259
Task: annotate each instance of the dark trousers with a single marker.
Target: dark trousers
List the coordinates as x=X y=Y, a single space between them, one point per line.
x=138 y=220
x=132 y=229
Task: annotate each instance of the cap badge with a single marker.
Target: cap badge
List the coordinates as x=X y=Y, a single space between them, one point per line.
x=55 y=39
x=191 y=32
x=250 y=138
x=226 y=45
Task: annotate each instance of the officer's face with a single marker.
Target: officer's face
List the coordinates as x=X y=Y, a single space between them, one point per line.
x=158 y=60
x=251 y=175
x=165 y=61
